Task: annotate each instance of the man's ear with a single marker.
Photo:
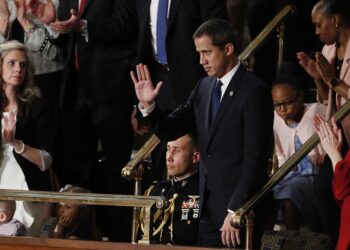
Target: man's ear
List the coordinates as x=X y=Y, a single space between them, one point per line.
x=229 y=49
x=3 y=217
x=196 y=157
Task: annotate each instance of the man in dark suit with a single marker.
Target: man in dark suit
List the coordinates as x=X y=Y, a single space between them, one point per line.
x=96 y=95
x=231 y=110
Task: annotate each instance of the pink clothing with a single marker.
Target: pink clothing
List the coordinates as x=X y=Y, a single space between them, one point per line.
x=341 y=192
x=329 y=51
x=284 y=135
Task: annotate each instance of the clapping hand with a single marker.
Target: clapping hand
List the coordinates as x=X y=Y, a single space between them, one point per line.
x=309 y=64
x=144 y=89
x=4 y=10
x=45 y=12
x=4 y=17
x=330 y=137
x=325 y=69
x=9 y=128
x=72 y=24
x=21 y=13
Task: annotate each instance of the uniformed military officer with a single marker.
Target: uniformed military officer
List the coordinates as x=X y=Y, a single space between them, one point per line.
x=178 y=223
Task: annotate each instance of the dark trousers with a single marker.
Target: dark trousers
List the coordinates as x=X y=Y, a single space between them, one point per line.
x=209 y=235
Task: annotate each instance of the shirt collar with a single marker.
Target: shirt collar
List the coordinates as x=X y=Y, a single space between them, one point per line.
x=227 y=78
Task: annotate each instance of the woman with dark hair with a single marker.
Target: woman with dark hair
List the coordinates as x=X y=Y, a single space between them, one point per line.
x=330 y=71
x=26 y=139
x=76 y=221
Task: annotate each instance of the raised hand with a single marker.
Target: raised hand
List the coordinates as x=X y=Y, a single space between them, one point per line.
x=45 y=12
x=72 y=24
x=309 y=65
x=144 y=89
x=325 y=68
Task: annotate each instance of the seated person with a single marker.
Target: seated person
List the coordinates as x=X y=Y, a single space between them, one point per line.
x=178 y=223
x=293 y=126
x=74 y=221
x=8 y=225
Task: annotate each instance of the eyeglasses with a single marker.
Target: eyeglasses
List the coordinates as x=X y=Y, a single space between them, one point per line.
x=286 y=104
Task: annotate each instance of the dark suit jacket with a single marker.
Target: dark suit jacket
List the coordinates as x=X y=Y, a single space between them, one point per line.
x=104 y=61
x=35 y=128
x=234 y=150
x=185 y=16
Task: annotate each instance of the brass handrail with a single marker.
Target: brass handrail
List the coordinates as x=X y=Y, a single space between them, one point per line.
x=130 y=170
x=254 y=45
x=90 y=199
x=238 y=217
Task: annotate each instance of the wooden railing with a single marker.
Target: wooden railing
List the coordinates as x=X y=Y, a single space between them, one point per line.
x=26 y=243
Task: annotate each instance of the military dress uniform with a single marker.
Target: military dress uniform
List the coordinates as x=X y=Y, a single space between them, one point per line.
x=177 y=224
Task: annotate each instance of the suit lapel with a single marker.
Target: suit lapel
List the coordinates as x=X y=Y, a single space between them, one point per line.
x=226 y=100
x=208 y=105
x=173 y=11
x=345 y=66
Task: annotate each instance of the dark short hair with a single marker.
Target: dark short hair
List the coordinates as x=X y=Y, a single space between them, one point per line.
x=194 y=138
x=336 y=7
x=220 y=31
x=289 y=75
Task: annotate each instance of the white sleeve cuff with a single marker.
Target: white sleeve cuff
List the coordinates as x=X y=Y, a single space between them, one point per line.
x=146 y=111
x=231 y=212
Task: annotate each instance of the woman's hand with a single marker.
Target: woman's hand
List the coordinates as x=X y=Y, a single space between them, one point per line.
x=21 y=14
x=325 y=68
x=45 y=12
x=9 y=128
x=330 y=137
x=309 y=65
x=4 y=17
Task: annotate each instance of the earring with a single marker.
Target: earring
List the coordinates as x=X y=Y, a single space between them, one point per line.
x=337 y=25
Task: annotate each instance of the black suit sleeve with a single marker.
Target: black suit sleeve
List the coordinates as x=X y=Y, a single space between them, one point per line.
x=257 y=122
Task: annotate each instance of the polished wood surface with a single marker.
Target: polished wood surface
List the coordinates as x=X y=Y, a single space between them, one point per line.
x=27 y=243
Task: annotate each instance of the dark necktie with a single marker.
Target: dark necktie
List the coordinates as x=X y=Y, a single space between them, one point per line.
x=162 y=30
x=215 y=100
